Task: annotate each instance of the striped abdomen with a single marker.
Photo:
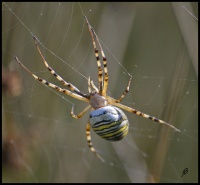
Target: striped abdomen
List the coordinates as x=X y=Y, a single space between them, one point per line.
x=109 y=122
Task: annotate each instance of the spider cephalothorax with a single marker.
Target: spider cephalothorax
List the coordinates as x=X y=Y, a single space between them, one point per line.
x=108 y=121
x=97 y=101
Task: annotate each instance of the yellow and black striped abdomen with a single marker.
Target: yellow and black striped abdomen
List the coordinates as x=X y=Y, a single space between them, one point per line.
x=109 y=122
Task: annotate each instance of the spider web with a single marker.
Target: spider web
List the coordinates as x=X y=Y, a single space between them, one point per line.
x=154 y=42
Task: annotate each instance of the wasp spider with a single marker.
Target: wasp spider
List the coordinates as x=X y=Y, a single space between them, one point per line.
x=108 y=121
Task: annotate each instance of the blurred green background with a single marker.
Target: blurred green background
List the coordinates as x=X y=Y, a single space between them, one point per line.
x=156 y=43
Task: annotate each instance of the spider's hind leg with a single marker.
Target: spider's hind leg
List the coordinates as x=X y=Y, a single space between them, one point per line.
x=90 y=143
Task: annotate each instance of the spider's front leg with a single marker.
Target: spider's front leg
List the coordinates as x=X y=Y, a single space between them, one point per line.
x=125 y=92
x=100 y=70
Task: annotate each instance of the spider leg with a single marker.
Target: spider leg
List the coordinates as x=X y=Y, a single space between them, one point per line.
x=100 y=70
x=44 y=82
x=90 y=82
x=129 y=109
x=94 y=87
x=72 y=87
x=80 y=114
x=125 y=92
x=88 y=136
x=106 y=77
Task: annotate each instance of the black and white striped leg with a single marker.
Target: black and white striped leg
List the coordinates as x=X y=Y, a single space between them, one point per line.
x=72 y=87
x=88 y=135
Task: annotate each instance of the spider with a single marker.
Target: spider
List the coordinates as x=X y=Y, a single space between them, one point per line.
x=107 y=121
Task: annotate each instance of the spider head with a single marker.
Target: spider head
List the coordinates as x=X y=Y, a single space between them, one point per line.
x=97 y=101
